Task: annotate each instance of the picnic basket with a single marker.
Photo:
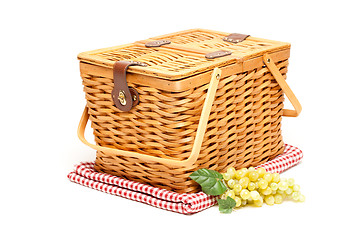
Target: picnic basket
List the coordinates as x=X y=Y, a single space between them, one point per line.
x=166 y=106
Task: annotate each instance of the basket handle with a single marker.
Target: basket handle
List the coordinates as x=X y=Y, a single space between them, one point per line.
x=284 y=86
x=210 y=96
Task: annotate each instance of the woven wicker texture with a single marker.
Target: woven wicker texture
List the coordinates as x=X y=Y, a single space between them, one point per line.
x=213 y=40
x=162 y=62
x=243 y=128
x=184 y=56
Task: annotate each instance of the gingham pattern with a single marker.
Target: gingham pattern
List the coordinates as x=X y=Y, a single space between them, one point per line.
x=291 y=156
x=85 y=175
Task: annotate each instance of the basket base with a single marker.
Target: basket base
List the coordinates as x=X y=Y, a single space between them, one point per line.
x=161 y=176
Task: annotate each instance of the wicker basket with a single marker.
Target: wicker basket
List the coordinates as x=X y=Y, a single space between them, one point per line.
x=164 y=107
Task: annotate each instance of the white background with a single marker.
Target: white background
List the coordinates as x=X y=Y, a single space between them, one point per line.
x=42 y=100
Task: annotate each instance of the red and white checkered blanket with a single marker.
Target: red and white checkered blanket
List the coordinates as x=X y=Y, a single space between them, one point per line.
x=85 y=175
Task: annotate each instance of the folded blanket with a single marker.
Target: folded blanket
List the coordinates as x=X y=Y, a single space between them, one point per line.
x=85 y=175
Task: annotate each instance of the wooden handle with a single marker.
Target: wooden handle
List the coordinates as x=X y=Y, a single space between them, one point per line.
x=284 y=86
x=215 y=77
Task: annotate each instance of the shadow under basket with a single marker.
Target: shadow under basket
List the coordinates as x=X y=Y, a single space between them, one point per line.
x=160 y=113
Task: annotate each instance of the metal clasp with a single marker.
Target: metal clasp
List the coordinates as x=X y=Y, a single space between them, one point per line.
x=122 y=97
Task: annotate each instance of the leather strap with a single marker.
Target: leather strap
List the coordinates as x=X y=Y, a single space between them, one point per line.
x=235 y=37
x=124 y=97
x=157 y=43
x=217 y=54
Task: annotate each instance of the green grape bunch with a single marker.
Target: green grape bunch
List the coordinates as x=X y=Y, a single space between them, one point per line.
x=256 y=186
x=237 y=188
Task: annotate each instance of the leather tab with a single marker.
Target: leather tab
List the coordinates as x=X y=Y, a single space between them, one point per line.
x=124 y=97
x=217 y=54
x=135 y=96
x=235 y=38
x=157 y=43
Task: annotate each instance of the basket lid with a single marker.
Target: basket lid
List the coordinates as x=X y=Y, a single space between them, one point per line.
x=183 y=54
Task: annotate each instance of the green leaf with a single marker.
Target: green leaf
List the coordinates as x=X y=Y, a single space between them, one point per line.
x=210 y=181
x=226 y=205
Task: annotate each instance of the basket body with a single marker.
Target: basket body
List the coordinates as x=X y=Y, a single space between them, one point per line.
x=244 y=126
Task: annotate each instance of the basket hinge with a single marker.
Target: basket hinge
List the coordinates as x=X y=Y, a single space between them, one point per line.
x=235 y=37
x=217 y=54
x=124 y=97
x=157 y=43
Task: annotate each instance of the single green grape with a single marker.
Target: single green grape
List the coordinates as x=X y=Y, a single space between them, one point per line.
x=262 y=184
x=231 y=171
x=278 y=198
x=231 y=183
x=255 y=195
x=261 y=171
x=253 y=175
x=245 y=194
x=268 y=177
x=295 y=196
x=283 y=185
x=237 y=201
x=276 y=177
x=251 y=186
x=237 y=188
x=230 y=193
x=296 y=188
x=290 y=182
x=258 y=202
x=251 y=169
x=244 y=182
x=269 y=200
x=244 y=172
x=226 y=176
x=238 y=174
x=274 y=186
x=266 y=191
x=288 y=191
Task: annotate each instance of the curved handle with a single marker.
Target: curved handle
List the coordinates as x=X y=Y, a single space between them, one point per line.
x=284 y=86
x=215 y=77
